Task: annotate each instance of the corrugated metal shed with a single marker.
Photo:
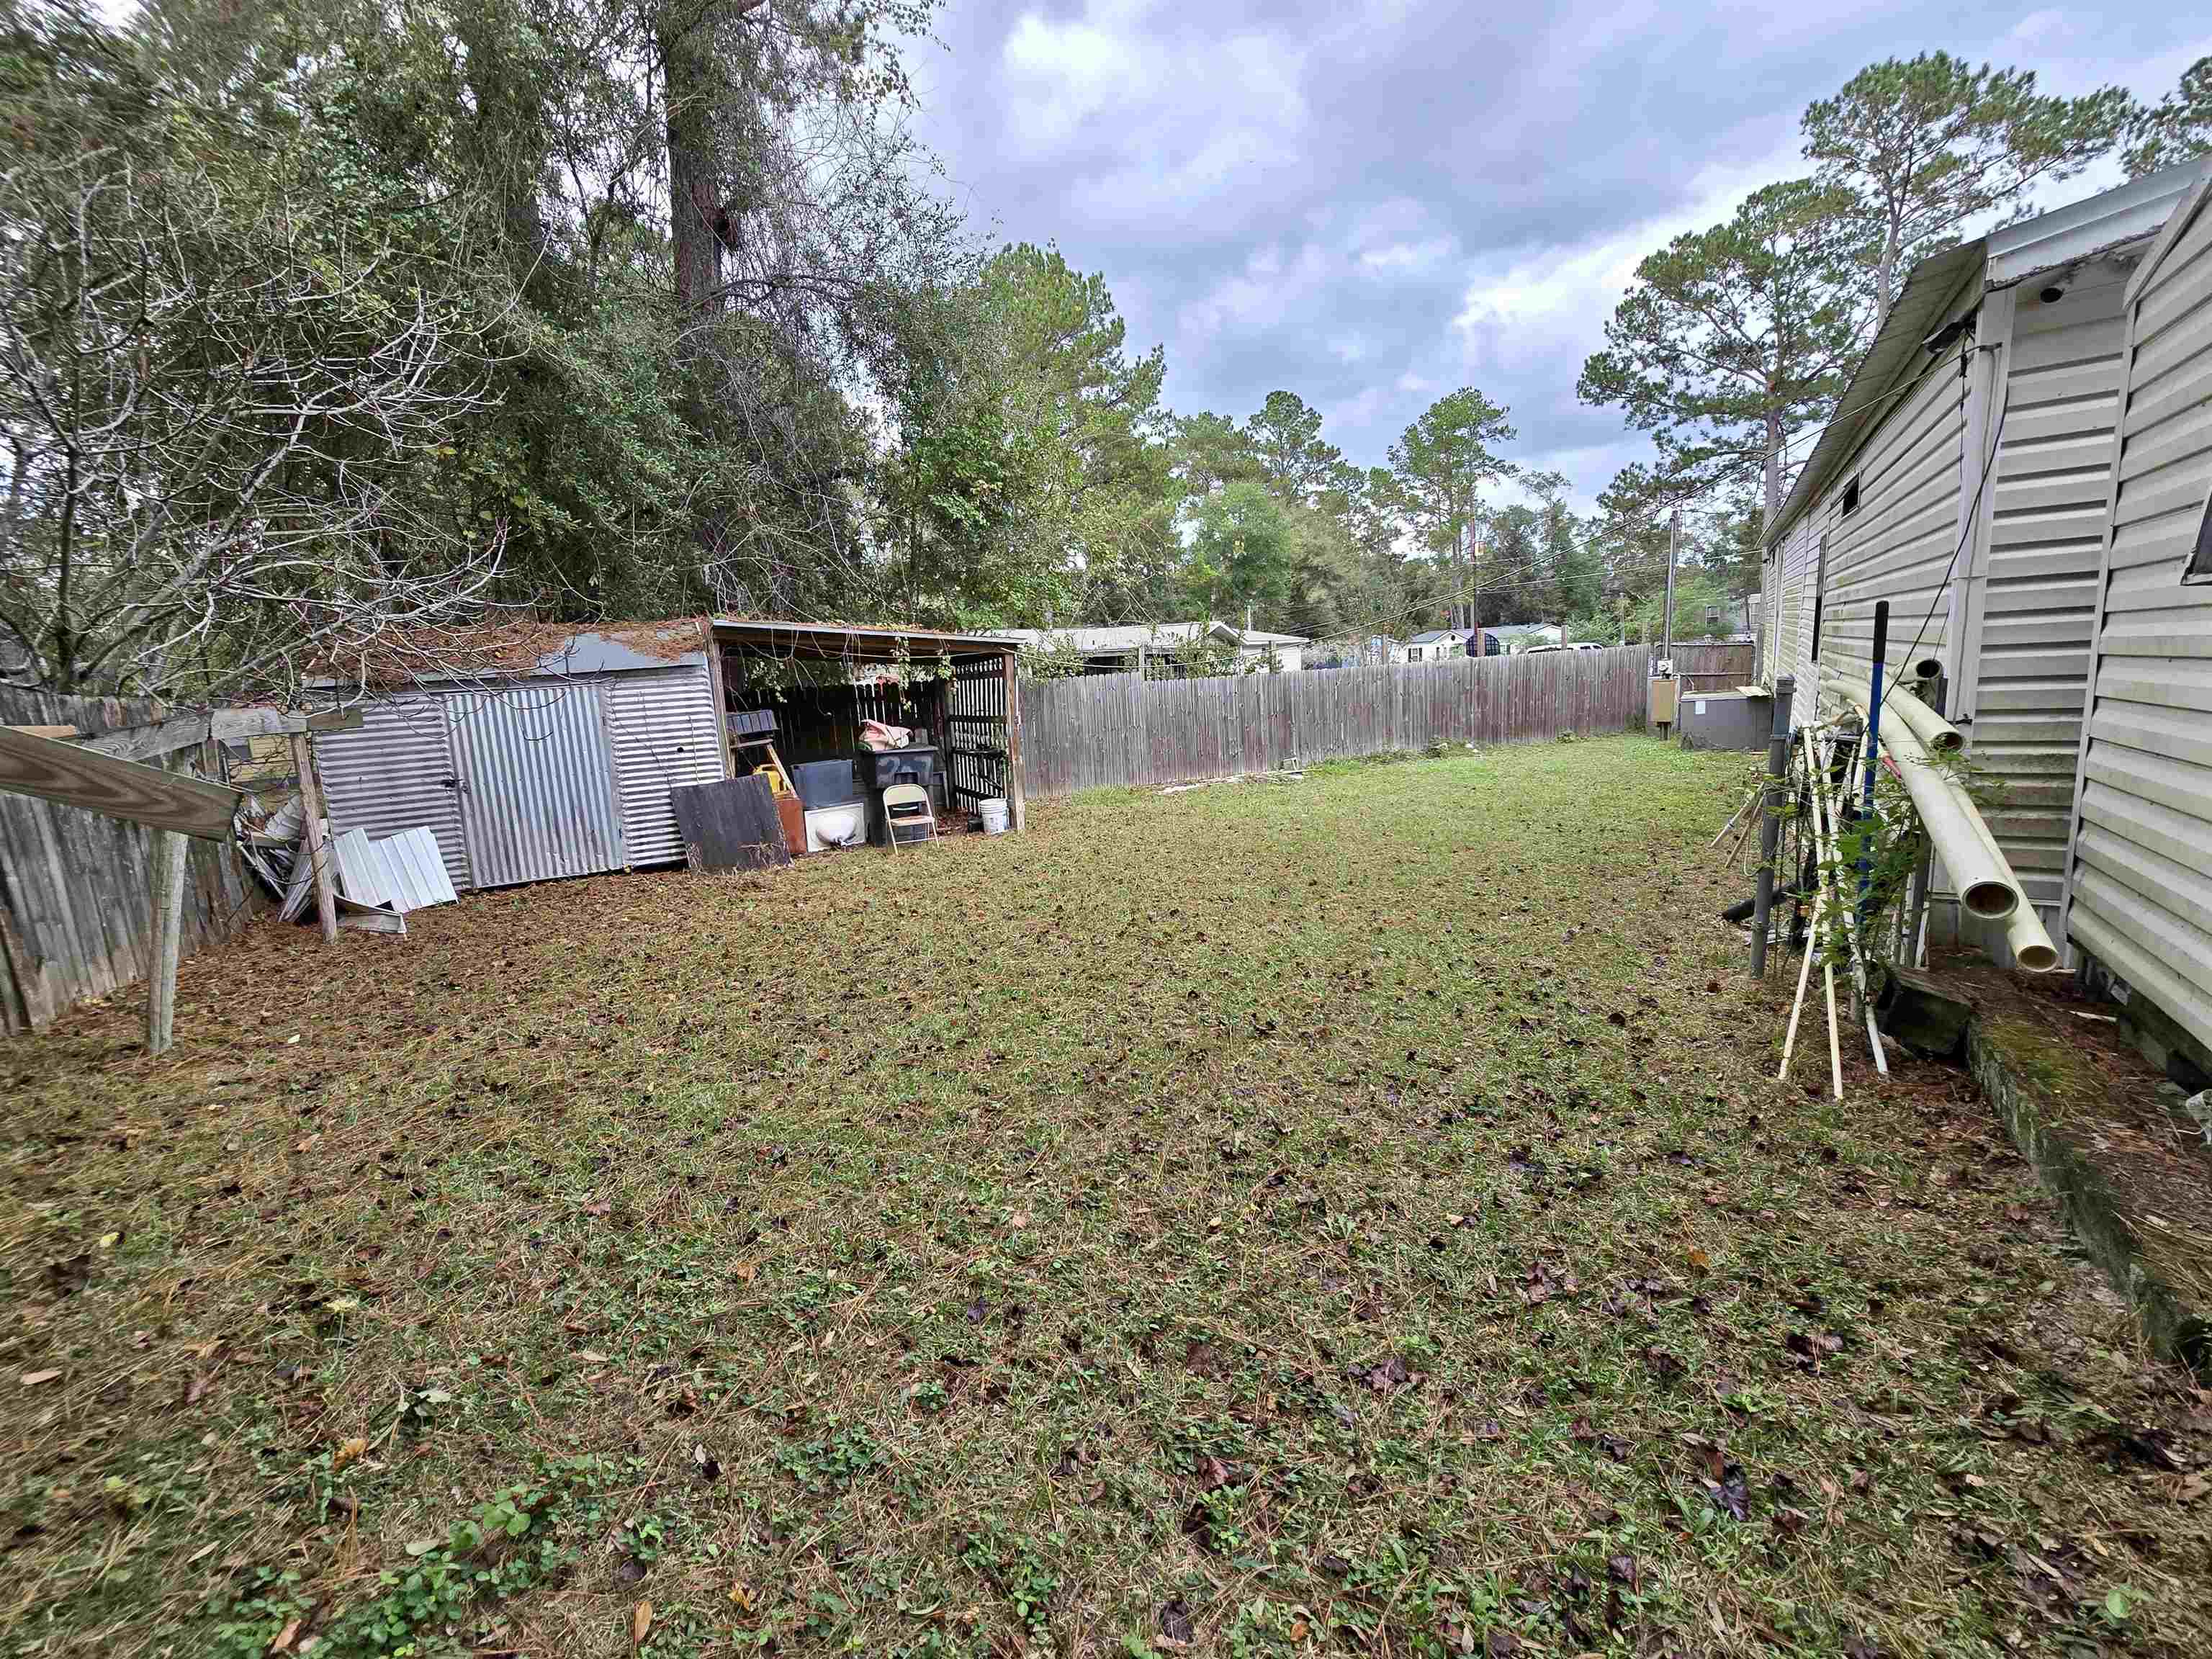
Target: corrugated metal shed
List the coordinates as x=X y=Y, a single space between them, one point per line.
x=2142 y=844
x=559 y=772
x=537 y=791
x=397 y=771
x=662 y=726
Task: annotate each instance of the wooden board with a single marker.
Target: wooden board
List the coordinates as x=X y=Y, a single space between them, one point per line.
x=733 y=824
x=77 y=776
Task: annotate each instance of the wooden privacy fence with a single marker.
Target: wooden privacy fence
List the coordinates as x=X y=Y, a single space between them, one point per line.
x=1715 y=665
x=76 y=898
x=1118 y=729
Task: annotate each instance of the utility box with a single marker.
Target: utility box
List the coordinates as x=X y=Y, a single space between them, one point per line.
x=1664 y=694
x=1725 y=720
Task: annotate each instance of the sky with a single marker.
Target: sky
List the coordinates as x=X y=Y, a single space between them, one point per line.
x=1370 y=202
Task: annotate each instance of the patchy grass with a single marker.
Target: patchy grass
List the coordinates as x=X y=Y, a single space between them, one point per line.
x=1341 y=1216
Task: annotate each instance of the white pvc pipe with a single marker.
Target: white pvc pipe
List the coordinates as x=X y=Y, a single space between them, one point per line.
x=2032 y=948
x=1987 y=886
x=1931 y=728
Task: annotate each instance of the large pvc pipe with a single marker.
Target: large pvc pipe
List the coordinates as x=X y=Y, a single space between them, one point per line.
x=1930 y=727
x=1987 y=886
x=2024 y=931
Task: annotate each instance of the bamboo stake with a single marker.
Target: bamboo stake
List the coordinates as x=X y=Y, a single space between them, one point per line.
x=1730 y=824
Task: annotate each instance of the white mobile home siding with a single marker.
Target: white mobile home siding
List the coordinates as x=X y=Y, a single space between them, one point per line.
x=2038 y=596
x=1897 y=543
x=1793 y=615
x=2142 y=853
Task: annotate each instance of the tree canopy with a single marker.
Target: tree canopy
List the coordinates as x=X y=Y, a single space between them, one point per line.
x=1919 y=147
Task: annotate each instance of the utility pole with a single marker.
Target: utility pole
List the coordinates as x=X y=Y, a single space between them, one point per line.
x=1474 y=611
x=1673 y=546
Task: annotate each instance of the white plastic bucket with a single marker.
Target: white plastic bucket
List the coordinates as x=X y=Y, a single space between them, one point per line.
x=994 y=814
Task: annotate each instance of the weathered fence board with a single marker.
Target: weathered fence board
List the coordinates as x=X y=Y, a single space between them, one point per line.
x=1113 y=729
x=75 y=887
x=1715 y=665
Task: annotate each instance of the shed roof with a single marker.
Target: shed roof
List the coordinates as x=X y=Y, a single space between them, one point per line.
x=851 y=641
x=518 y=650
x=1119 y=637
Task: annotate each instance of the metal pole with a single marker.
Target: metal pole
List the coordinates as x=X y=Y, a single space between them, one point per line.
x=1769 y=828
x=1873 y=746
x=1674 y=542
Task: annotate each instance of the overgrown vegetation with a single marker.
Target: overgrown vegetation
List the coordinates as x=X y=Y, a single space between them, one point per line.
x=1348 y=1217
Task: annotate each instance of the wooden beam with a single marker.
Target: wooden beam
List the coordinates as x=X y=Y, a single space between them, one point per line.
x=1018 y=806
x=54 y=732
x=221 y=725
x=168 y=856
x=312 y=843
x=77 y=776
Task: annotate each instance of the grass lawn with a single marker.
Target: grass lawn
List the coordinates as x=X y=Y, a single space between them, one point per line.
x=1345 y=1216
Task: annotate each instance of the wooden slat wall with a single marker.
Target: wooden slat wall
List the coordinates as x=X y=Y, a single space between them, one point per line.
x=1714 y=665
x=1115 y=729
x=75 y=918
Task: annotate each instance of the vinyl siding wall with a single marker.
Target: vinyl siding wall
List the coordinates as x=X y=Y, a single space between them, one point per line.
x=2141 y=868
x=2037 y=599
x=1897 y=544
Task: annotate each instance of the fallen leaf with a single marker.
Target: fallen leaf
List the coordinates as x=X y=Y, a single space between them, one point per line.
x=1731 y=1493
x=640 y=1621
x=744 y=1271
x=347 y=1452
x=31 y=1379
x=286 y=1637
x=593 y=1357
x=741 y=1596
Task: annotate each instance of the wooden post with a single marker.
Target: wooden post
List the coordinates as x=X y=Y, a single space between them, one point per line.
x=1017 y=803
x=168 y=906
x=312 y=843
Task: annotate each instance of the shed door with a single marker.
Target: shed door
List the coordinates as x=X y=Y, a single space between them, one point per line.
x=976 y=732
x=538 y=787
x=395 y=772
x=662 y=725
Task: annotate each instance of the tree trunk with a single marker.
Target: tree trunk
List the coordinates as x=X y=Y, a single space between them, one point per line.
x=685 y=35
x=1773 y=468
x=693 y=203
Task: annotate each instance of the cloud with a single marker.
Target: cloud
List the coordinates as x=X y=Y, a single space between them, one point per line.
x=1371 y=204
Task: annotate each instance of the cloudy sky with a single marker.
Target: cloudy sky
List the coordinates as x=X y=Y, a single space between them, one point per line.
x=1373 y=202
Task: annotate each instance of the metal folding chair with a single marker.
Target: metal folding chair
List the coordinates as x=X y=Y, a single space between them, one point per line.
x=908 y=804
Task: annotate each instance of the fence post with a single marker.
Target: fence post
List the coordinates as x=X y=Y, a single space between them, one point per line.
x=168 y=906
